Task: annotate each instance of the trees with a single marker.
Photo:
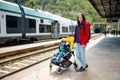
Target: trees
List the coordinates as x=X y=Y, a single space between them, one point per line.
x=32 y=4
x=70 y=8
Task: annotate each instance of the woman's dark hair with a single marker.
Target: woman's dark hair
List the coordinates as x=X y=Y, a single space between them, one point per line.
x=84 y=19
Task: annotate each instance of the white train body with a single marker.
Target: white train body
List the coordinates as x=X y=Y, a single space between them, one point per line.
x=38 y=24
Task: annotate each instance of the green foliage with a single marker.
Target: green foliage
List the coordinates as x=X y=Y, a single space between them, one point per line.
x=70 y=9
x=31 y=4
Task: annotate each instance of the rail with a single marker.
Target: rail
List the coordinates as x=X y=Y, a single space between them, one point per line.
x=14 y=64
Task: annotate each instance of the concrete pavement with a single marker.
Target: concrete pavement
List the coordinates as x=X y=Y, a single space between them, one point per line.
x=103 y=58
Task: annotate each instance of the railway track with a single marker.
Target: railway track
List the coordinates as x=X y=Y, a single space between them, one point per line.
x=15 y=63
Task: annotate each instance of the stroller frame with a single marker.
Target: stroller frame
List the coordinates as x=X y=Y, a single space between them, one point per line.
x=61 y=66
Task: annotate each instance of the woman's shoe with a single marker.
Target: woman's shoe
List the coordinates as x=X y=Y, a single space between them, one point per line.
x=86 y=66
x=81 y=69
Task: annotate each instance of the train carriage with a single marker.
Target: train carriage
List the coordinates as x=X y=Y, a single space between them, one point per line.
x=38 y=24
x=64 y=26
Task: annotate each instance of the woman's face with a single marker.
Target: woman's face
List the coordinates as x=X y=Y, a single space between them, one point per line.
x=80 y=18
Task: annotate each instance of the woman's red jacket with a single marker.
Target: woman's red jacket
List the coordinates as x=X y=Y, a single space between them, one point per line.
x=84 y=33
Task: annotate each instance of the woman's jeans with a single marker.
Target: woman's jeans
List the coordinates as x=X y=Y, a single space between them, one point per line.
x=80 y=54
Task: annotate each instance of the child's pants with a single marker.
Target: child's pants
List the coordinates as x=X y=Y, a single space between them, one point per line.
x=59 y=55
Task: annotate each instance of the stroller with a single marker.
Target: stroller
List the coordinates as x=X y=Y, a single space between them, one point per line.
x=64 y=62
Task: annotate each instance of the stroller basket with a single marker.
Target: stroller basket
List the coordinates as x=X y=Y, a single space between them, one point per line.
x=64 y=64
x=64 y=61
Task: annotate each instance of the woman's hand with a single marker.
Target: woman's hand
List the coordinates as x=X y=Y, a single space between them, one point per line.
x=83 y=45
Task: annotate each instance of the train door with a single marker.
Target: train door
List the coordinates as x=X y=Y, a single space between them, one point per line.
x=55 y=27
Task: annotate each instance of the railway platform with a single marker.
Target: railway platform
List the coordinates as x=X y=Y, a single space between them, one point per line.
x=5 y=51
x=103 y=56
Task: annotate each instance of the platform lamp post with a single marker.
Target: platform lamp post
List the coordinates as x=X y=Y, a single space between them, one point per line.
x=22 y=19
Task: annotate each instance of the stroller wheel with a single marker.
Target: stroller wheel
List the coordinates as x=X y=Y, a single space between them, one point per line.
x=75 y=65
x=50 y=66
x=59 y=71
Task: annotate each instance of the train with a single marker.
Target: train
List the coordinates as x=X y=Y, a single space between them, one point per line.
x=38 y=24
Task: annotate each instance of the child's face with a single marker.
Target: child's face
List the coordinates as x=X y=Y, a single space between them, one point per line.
x=63 y=42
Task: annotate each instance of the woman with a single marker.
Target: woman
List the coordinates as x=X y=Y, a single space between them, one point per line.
x=81 y=36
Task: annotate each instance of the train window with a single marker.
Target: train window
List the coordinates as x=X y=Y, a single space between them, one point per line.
x=58 y=28
x=11 y=21
x=70 y=28
x=49 y=28
x=32 y=23
x=44 y=28
x=41 y=21
x=2 y=16
x=64 y=29
x=41 y=28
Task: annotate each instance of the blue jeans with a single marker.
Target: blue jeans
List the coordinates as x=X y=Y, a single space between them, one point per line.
x=59 y=55
x=80 y=54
